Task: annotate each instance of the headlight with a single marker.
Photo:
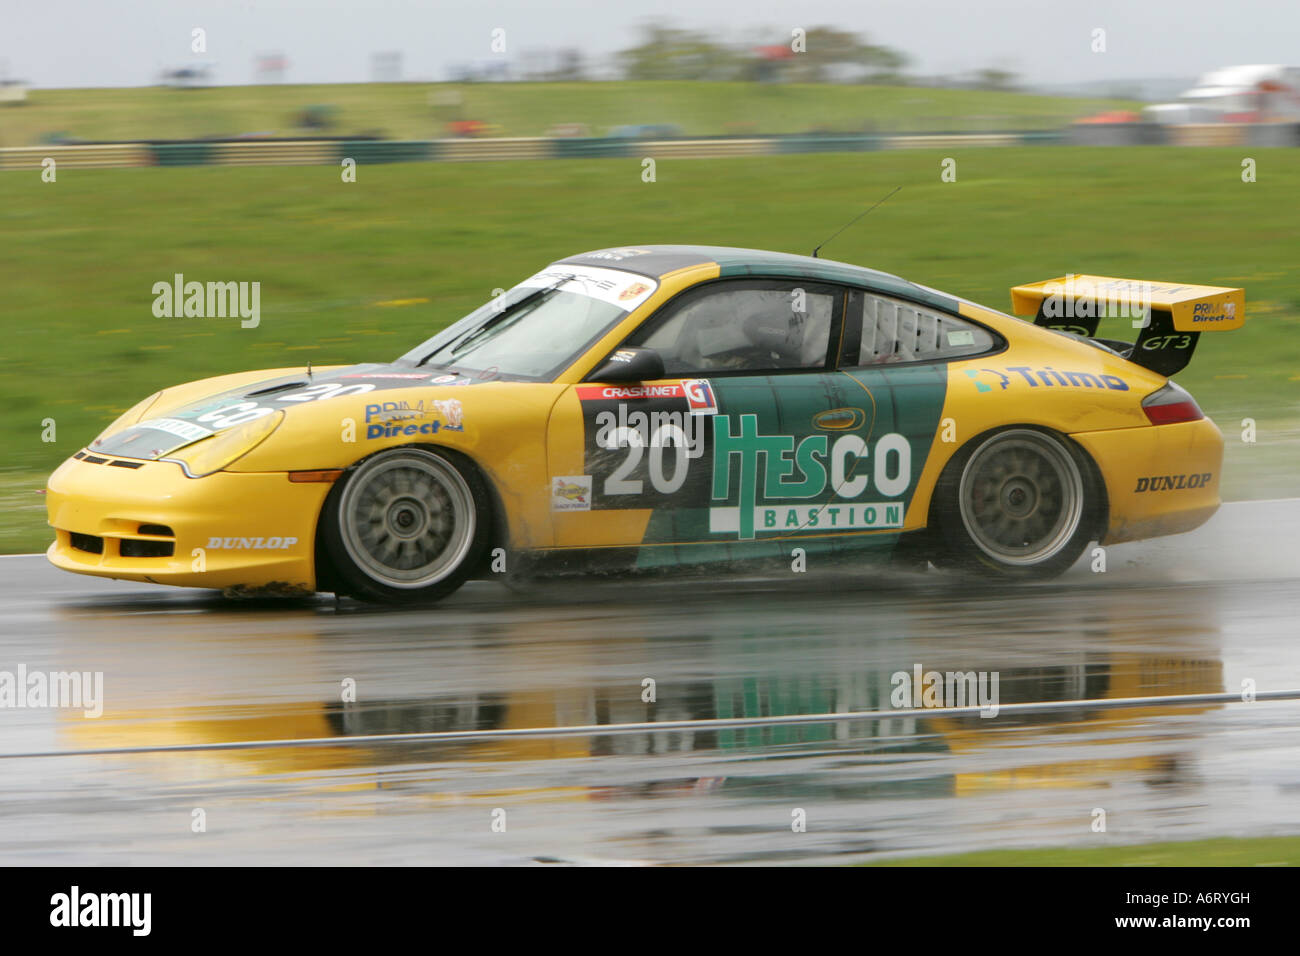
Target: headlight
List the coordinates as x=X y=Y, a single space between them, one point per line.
x=224 y=448
x=128 y=417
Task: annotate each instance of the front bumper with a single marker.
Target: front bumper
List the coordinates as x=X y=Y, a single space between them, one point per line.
x=148 y=522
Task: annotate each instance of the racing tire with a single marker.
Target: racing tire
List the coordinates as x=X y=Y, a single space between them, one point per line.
x=1016 y=504
x=408 y=525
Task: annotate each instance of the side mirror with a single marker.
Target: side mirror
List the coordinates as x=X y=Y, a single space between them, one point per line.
x=631 y=365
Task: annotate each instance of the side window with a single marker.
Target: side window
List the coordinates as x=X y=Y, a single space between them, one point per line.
x=887 y=331
x=743 y=327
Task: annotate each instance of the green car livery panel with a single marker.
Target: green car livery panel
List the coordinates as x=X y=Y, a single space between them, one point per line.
x=733 y=468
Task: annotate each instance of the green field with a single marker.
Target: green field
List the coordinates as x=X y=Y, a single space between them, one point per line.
x=421 y=110
x=1225 y=851
x=362 y=271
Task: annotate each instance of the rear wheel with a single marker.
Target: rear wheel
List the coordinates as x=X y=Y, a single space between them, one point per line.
x=407 y=526
x=1016 y=504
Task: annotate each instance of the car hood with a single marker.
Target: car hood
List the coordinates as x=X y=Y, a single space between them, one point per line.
x=187 y=414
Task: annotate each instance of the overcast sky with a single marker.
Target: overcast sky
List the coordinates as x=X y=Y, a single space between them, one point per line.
x=57 y=43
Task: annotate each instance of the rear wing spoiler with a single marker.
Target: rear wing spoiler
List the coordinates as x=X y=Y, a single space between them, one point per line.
x=1170 y=317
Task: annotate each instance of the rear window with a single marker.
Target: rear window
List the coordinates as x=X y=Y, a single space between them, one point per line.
x=890 y=331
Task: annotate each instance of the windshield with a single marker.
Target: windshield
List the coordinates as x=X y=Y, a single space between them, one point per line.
x=537 y=329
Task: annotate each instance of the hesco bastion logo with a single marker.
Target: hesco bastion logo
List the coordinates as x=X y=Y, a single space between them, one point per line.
x=813 y=485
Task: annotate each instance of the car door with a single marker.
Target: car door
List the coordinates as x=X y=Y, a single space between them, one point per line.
x=898 y=352
x=738 y=449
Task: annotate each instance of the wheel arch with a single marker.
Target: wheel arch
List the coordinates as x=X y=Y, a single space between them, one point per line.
x=498 y=535
x=1097 y=512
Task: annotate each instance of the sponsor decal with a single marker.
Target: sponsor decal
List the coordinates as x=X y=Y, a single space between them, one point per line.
x=699 y=396
x=450 y=380
x=961 y=337
x=419 y=417
x=1172 y=482
x=1214 y=312
x=1046 y=377
x=175 y=426
x=625 y=393
x=622 y=289
x=980 y=386
x=823 y=516
x=616 y=255
x=773 y=468
x=250 y=544
x=571 y=493
x=623 y=355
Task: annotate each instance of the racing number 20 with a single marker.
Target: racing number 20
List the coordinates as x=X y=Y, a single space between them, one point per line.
x=666 y=435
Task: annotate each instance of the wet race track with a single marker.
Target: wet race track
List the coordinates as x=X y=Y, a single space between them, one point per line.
x=190 y=671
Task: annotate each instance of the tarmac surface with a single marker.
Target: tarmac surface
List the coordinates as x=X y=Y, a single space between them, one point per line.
x=199 y=673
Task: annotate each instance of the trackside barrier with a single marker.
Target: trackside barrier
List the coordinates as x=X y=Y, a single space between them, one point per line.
x=112 y=155
x=487 y=150
x=1116 y=134
x=313 y=152
x=307 y=153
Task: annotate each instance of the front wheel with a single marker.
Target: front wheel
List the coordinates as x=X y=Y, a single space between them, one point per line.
x=407 y=526
x=1017 y=504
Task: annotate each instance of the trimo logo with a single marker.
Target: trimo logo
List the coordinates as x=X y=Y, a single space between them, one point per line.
x=213 y=300
x=55 y=689
x=1086 y=299
x=75 y=908
x=922 y=688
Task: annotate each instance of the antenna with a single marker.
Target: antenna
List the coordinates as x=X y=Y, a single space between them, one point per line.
x=309 y=370
x=856 y=218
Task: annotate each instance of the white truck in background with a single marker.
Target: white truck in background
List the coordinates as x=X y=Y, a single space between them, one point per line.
x=1259 y=93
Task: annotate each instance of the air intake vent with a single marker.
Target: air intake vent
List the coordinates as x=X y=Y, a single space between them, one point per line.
x=134 y=548
x=159 y=529
x=87 y=542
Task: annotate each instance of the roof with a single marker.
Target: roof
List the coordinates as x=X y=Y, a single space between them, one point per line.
x=657 y=261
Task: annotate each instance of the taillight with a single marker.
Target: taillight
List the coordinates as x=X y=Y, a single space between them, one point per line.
x=1171 y=404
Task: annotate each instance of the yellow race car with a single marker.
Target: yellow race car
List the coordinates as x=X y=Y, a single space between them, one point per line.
x=670 y=405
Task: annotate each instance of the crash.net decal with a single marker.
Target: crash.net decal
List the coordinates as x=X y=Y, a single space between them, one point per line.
x=1173 y=482
x=411 y=418
x=988 y=379
x=698 y=393
x=827 y=480
x=571 y=493
x=250 y=544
